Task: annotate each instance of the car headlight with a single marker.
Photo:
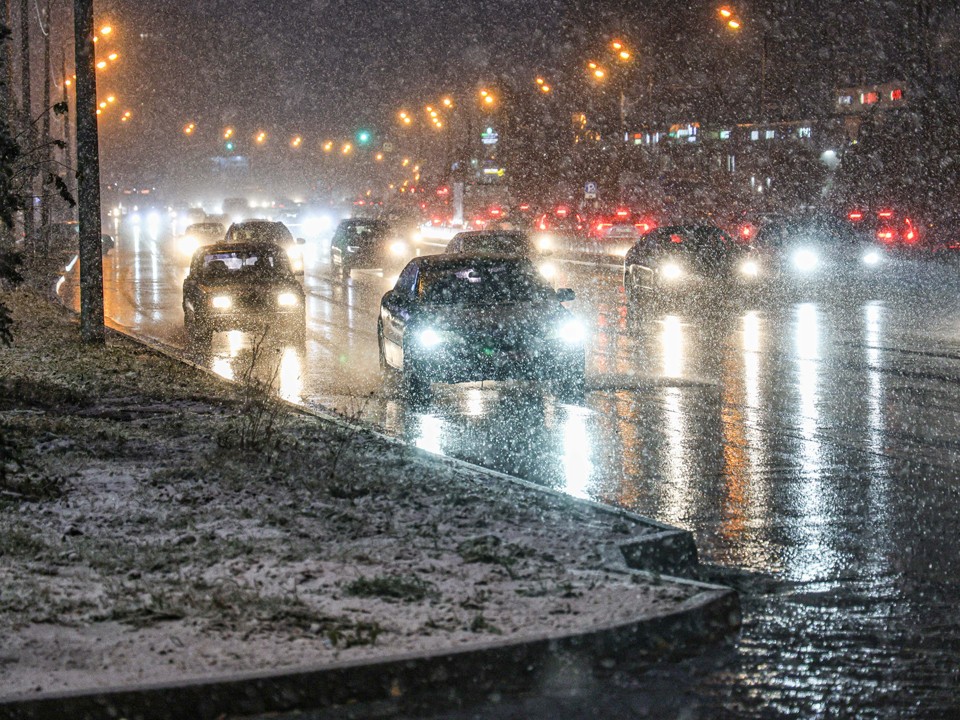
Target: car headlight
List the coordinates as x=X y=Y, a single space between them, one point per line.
x=222 y=302
x=671 y=271
x=750 y=268
x=545 y=243
x=429 y=338
x=805 y=260
x=547 y=269
x=572 y=331
x=398 y=247
x=871 y=258
x=294 y=252
x=189 y=244
x=287 y=299
x=314 y=225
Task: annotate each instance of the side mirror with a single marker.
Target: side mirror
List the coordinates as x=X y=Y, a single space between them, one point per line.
x=300 y=241
x=565 y=294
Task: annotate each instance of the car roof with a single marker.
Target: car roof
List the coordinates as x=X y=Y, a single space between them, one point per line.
x=466 y=234
x=225 y=247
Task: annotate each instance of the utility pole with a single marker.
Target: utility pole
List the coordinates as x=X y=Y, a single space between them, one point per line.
x=88 y=181
x=26 y=135
x=47 y=148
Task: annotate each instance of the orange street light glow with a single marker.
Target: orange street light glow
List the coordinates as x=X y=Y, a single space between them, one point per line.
x=616 y=45
x=488 y=99
x=545 y=88
x=347 y=148
x=725 y=12
x=103 y=104
x=228 y=133
x=328 y=146
x=379 y=156
x=599 y=73
x=112 y=98
x=296 y=141
x=624 y=55
x=106 y=30
x=447 y=102
x=406 y=161
x=101 y=65
x=261 y=137
x=68 y=82
x=112 y=56
x=733 y=24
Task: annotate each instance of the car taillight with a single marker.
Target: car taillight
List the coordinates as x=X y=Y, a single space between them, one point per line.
x=746 y=231
x=601 y=226
x=885 y=214
x=623 y=213
x=561 y=211
x=855 y=216
x=886 y=235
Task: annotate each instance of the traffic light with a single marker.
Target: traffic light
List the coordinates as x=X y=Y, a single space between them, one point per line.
x=229 y=145
x=363 y=137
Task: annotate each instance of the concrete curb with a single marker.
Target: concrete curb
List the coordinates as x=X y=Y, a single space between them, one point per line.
x=458 y=676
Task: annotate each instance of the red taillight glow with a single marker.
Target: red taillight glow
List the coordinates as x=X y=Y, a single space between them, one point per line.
x=886 y=235
x=561 y=211
x=524 y=206
x=885 y=214
x=495 y=211
x=623 y=213
x=746 y=231
x=676 y=239
x=601 y=226
x=855 y=216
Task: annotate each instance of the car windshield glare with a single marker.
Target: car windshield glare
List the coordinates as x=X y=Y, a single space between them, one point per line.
x=495 y=244
x=482 y=285
x=695 y=239
x=244 y=263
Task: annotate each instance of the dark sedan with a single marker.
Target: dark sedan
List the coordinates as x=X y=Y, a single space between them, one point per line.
x=241 y=286
x=360 y=243
x=819 y=247
x=683 y=262
x=455 y=318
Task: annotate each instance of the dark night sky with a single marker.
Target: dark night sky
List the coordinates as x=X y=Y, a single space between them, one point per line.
x=326 y=67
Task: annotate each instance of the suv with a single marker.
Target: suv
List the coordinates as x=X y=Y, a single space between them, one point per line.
x=261 y=231
x=360 y=243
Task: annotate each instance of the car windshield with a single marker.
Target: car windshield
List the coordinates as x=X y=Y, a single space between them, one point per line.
x=261 y=232
x=367 y=231
x=482 y=284
x=264 y=262
x=500 y=243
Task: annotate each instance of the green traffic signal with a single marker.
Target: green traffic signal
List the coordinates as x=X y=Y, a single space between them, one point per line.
x=363 y=137
x=230 y=147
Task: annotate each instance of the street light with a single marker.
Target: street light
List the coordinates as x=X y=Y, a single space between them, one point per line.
x=260 y=138
x=227 y=133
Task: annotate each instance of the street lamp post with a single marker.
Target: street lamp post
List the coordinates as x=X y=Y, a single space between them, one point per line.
x=88 y=183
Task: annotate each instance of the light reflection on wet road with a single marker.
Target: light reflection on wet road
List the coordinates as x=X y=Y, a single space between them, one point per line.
x=809 y=443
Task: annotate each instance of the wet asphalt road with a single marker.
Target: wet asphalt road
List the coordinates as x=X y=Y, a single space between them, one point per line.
x=809 y=441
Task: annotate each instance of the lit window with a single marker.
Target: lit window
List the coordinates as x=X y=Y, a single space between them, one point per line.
x=770 y=134
x=754 y=134
x=724 y=134
x=804 y=132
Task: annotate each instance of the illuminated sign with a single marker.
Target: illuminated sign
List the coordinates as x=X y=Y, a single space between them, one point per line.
x=489 y=137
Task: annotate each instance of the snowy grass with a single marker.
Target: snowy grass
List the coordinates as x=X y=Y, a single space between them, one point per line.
x=135 y=544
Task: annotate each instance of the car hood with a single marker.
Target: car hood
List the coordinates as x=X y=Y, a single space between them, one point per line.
x=502 y=320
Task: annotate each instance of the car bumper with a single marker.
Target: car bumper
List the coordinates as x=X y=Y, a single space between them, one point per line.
x=461 y=365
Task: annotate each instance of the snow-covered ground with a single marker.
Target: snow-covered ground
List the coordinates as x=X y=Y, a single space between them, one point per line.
x=140 y=542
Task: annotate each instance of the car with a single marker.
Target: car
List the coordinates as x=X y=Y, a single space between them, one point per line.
x=681 y=262
x=241 y=286
x=502 y=242
x=64 y=239
x=615 y=232
x=560 y=228
x=361 y=243
x=492 y=242
x=199 y=234
x=819 y=246
x=269 y=231
x=457 y=318
x=892 y=228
